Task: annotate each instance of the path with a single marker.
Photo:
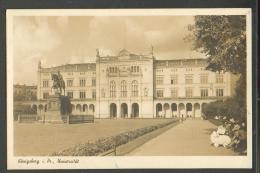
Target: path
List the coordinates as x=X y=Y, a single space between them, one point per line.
x=189 y=138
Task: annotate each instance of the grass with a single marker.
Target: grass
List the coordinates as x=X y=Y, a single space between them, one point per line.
x=39 y=139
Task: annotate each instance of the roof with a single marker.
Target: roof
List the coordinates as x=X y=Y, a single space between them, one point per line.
x=181 y=62
x=125 y=55
x=124 y=52
x=72 y=67
x=25 y=86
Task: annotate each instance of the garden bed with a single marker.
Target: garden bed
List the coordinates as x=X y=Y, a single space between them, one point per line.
x=105 y=144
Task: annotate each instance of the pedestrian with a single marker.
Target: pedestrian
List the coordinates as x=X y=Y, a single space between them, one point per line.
x=181 y=117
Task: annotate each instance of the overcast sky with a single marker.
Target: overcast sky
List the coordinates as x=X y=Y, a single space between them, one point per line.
x=62 y=40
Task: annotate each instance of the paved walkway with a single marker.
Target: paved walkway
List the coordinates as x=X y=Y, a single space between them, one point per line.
x=191 y=138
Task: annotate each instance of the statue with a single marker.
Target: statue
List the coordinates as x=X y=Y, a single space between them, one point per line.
x=97 y=50
x=58 y=82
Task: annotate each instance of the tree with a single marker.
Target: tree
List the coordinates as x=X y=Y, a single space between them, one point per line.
x=223 y=40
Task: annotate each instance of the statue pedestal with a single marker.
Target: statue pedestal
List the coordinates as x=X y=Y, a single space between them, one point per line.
x=53 y=114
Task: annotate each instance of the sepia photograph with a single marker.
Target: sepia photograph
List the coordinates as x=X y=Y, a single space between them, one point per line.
x=129 y=88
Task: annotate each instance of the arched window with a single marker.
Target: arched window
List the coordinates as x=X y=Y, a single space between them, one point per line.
x=134 y=88
x=112 y=89
x=123 y=89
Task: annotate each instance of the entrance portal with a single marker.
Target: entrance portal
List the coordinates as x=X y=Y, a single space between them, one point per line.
x=135 y=110
x=124 y=111
x=181 y=109
x=113 y=110
x=197 y=110
x=158 y=110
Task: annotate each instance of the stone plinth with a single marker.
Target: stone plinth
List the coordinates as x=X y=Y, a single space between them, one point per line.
x=53 y=114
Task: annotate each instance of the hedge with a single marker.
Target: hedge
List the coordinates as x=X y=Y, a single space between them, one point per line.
x=229 y=108
x=104 y=144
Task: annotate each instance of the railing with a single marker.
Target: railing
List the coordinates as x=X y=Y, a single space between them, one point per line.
x=71 y=119
x=123 y=73
x=27 y=118
x=111 y=151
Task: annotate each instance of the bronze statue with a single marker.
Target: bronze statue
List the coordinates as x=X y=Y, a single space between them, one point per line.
x=58 y=82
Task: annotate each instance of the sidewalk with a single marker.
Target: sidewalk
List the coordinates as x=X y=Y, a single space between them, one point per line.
x=190 y=138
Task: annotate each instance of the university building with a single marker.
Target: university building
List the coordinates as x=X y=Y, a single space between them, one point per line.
x=128 y=85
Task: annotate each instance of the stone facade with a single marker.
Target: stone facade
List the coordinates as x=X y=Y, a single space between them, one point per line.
x=128 y=85
x=24 y=92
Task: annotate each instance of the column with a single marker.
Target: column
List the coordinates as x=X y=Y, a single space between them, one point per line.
x=128 y=110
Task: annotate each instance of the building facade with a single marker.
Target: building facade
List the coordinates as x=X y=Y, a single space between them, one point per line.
x=24 y=92
x=128 y=85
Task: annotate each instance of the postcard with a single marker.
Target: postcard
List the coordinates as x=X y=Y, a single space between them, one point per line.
x=129 y=88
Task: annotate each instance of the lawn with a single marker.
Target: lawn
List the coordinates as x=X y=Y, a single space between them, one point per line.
x=44 y=139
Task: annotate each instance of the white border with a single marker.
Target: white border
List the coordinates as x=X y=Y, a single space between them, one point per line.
x=129 y=161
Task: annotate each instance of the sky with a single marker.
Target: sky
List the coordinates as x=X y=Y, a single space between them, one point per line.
x=57 y=40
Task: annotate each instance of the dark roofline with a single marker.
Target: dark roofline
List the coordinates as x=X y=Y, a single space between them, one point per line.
x=91 y=64
x=205 y=59
x=24 y=85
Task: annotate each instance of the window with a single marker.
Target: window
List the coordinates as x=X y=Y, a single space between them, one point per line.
x=134 y=88
x=45 y=95
x=112 y=89
x=69 y=83
x=82 y=94
x=159 y=70
x=188 y=69
x=113 y=69
x=159 y=80
x=174 y=92
x=174 y=79
x=82 y=73
x=123 y=89
x=203 y=79
x=94 y=94
x=45 y=83
x=159 y=93
x=82 y=82
x=174 y=70
x=219 y=92
x=204 y=92
x=135 y=69
x=145 y=91
x=93 y=82
x=70 y=94
x=188 y=79
x=219 y=78
x=188 y=92
x=103 y=93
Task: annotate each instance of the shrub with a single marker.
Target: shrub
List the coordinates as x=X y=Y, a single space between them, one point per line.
x=229 y=108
